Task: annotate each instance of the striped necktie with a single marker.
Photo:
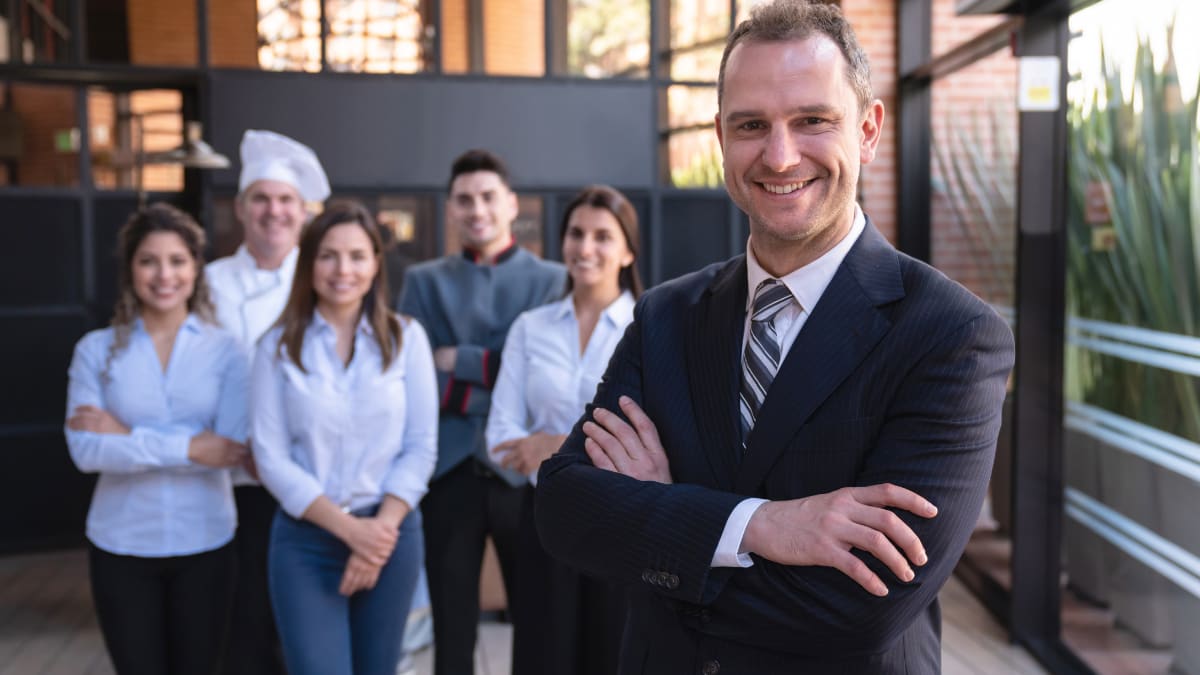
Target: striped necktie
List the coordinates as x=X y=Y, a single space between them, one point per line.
x=761 y=359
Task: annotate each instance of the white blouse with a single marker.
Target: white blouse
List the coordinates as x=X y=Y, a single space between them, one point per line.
x=545 y=382
x=151 y=500
x=350 y=432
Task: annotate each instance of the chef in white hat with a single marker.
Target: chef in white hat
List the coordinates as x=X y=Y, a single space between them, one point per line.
x=280 y=176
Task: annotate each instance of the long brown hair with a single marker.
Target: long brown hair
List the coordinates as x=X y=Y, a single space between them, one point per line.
x=158 y=217
x=297 y=314
x=611 y=200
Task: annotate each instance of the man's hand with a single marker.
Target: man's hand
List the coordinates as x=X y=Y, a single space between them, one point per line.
x=96 y=420
x=445 y=358
x=527 y=454
x=216 y=451
x=634 y=451
x=360 y=575
x=821 y=530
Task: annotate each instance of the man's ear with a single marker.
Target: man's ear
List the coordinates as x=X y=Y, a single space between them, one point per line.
x=872 y=130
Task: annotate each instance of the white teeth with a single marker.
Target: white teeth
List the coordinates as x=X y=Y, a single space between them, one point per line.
x=784 y=189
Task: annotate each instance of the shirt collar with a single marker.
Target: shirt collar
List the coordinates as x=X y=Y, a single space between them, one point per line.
x=289 y=261
x=810 y=281
x=191 y=324
x=320 y=324
x=473 y=256
x=619 y=312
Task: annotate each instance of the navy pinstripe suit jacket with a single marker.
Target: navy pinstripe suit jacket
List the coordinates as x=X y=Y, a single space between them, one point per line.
x=898 y=376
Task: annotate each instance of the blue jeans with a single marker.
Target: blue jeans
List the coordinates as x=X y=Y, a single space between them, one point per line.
x=323 y=632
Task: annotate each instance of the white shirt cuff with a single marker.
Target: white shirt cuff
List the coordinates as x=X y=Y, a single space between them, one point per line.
x=728 y=548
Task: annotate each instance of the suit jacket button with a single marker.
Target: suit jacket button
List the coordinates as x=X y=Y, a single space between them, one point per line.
x=711 y=667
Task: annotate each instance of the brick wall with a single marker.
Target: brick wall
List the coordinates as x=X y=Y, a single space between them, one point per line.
x=874 y=23
x=163 y=33
x=44 y=111
x=233 y=33
x=513 y=42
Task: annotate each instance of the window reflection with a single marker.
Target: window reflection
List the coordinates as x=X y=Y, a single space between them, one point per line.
x=375 y=36
x=693 y=153
x=607 y=38
x=289 y=34
x=698 y=30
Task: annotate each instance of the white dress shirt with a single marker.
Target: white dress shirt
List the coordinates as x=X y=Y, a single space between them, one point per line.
x=350 y=432
x=151 y=500
x=544 y=381
x=807 y=285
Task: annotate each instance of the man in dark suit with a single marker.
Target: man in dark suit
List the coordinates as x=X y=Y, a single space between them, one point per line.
x=820 y=415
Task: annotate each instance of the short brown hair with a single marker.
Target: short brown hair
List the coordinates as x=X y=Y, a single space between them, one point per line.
x=782 y=20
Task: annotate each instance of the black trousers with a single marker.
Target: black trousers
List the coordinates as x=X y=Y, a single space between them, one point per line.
x=461 y=509
x=564 y=622
x=163 y=616
x=253 y=642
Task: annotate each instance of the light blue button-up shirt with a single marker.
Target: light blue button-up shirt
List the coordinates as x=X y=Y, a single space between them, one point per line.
x=151 y=500
x=545 y=382
x=350 y=432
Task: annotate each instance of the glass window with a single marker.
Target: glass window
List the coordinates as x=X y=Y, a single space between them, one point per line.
x=496 y=37
x=973 y=235
x=161 y=33
x=951 y=30
x=375 y=37
x=693 y=155
x=1132 y=412
x=698 y=29
x=35 y=32
x=39 y=136
x=126 y=128
x=233 y=33
x=603 y=38
x=289 y=35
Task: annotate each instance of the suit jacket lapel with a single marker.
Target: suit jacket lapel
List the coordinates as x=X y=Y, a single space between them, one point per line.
x=843 y=328
x=713 y=345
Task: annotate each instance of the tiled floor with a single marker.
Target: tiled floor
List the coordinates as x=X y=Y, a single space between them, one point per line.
x=47 y=627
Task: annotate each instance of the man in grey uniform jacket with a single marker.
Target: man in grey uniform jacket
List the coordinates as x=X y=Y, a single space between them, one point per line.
x=467 y=302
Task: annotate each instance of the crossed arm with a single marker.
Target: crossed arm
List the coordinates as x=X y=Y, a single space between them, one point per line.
x=814 y=555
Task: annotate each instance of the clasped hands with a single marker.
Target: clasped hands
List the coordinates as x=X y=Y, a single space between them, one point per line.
x=371 y=541
x=818 y=530
x=205 y=448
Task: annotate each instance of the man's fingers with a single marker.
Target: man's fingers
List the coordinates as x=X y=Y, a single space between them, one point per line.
x=877 y=544
x=887 y=494
x=598 y=456
x=646 y=430
x=624 y=434
x=895 y=529
x=847 y=563
x=609 y=443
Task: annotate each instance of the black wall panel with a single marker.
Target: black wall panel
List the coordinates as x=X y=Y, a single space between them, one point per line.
x=694 y=232
x=37 y=351
x=46 y=497
x=376 y=131
x=43 y=260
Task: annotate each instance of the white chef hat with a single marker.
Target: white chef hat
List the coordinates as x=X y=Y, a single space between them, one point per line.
x=267 y=155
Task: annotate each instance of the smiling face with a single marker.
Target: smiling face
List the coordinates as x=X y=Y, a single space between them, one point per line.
x=163 y=272
x=271 y=213
x=483 y=209
x=594 y=249
x=794 y=139
x=344 y=268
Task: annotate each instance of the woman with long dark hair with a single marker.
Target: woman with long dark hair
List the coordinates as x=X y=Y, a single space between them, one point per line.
x=344 y=403
x=552 y=361
x=157 y=406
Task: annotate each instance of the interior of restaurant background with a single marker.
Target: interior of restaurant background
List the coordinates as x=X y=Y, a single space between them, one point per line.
x=1085 y=222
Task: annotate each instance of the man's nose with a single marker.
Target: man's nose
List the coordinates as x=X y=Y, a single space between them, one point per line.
x=782 y=151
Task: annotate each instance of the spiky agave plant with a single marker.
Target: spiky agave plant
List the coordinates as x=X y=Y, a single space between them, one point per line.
x=1146 y=150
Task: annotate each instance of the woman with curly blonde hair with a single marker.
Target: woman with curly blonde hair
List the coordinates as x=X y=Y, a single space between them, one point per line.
x=156 y=404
